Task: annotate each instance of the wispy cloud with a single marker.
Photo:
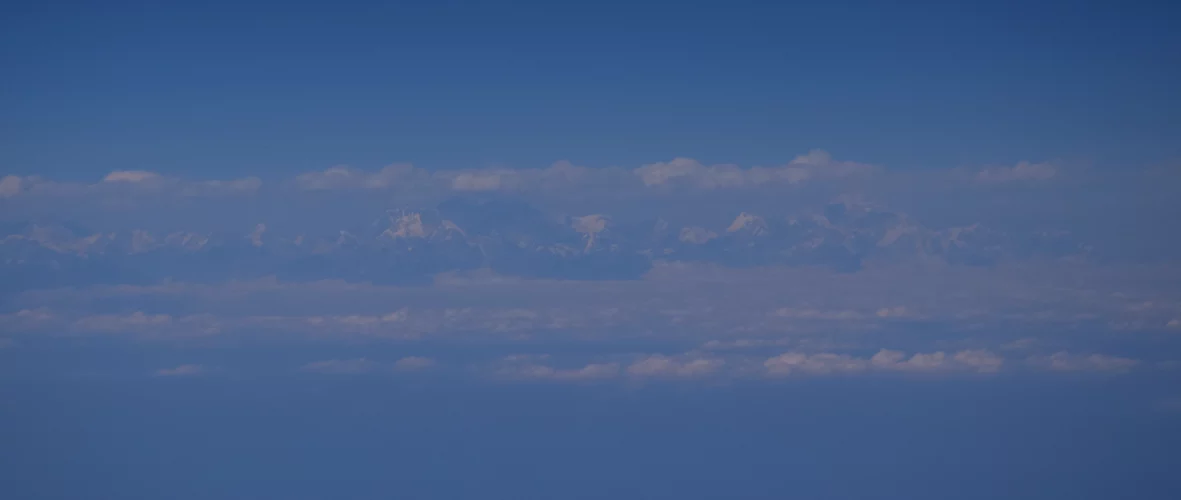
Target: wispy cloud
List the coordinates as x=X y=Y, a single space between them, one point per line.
x=181 y=371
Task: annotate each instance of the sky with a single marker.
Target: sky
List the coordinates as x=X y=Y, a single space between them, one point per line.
x=590 y=250
x=228 y=89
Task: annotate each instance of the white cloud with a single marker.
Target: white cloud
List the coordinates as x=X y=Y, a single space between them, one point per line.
x=181 y=371
x=132 y=176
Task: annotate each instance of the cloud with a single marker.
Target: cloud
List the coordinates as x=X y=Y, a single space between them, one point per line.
x=116 y=323
x=413 y=363
x=342 y=366
x=658 y=365
x=533 y=367
x=345 y=177
x=181 y=371
x=246 y=185
x=487 y=180
x=981 y=360
x=813 y=364
x=147 y=324
x=120 y=183
x=1023 y=171
x=132 y=176
x=1069 y=362
x=790 y=363
x=808 y=256
x=816 y=165
x=896 y=360
x=11 y=186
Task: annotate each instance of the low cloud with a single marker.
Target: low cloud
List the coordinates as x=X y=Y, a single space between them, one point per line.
x=132 y=176
x=816 y=165
x=125 y=183
x=685 y=366
x=534 y=367
x=791 y=363
x=1069 y=362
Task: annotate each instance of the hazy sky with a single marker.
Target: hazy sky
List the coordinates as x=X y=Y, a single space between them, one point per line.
x=602 y=250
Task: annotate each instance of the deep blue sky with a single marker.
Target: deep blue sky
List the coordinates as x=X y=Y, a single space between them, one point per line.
x=225 y=89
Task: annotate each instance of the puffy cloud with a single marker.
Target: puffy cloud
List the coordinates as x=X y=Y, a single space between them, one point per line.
x=11 y=186
x=181 y=371
x=132 y=176
x=696 y=235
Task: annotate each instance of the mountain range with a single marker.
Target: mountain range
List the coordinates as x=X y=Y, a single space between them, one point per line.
x=405 y=246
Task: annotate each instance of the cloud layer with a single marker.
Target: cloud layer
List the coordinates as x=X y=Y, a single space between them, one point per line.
x=814 y=267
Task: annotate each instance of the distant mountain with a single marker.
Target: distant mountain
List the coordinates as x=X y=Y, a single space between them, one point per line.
x=411 y=246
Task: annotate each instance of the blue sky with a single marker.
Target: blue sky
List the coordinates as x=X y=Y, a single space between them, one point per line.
x=601 y=250
x=229 y=89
